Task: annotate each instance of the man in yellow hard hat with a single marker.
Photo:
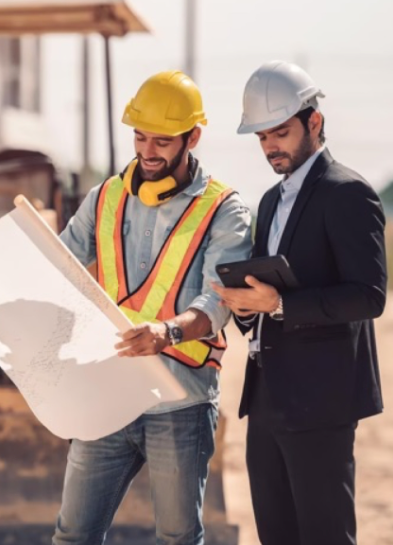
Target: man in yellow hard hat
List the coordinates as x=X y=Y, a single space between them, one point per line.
x=157 y=230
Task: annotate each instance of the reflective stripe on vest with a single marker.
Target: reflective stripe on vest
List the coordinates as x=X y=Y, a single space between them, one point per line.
x=155 y=299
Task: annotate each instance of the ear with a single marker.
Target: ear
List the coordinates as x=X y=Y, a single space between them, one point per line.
x=194 y=137
x=315 y=123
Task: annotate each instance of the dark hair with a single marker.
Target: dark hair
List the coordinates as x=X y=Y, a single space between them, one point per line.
x=186 y=135
x=304 y=116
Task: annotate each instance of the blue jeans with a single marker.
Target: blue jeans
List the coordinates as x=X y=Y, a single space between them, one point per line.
x=177 y=447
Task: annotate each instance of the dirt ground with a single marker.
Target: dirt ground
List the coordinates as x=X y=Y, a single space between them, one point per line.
x=374 y=454
x=374 y=447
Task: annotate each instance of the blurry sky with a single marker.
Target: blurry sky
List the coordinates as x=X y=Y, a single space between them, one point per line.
x=346 y=45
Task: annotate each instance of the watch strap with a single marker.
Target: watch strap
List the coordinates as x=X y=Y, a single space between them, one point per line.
x=278 y=312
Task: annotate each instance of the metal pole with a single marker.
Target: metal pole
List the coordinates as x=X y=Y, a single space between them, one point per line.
x=109 y=107
x=85 y=180
x=85 y=100
x=190 y=38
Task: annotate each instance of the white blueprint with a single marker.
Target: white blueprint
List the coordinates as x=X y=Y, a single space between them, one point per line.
x=57 y=334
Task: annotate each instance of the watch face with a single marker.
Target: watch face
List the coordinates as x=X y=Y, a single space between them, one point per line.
x=177 y=334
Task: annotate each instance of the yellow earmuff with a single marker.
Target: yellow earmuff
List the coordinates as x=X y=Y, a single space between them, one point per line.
x=150 y=193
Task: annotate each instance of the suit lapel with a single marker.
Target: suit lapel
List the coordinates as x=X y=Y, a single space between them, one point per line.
x=265 y=218
x=308 y=186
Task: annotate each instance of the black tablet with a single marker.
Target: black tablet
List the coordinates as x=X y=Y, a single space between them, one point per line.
x=273 y=270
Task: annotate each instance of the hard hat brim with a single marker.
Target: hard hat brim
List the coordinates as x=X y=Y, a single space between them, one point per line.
x=258 y=127
x=159 y=129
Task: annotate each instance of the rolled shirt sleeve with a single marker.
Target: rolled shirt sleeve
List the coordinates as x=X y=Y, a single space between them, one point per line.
x=229 y=240
x=79 y=234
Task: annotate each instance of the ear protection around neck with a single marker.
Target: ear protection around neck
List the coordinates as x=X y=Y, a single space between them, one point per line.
x=150 y=193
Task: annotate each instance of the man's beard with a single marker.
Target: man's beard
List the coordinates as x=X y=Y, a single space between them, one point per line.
x=294 y=161
x=167 y=169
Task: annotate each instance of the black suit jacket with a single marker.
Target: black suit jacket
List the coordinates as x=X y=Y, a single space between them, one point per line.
x=320 y=363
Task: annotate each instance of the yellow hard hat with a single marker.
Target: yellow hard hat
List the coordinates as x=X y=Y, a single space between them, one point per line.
x=168 y=103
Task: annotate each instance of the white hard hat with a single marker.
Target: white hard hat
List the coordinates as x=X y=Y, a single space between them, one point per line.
x=274 y=93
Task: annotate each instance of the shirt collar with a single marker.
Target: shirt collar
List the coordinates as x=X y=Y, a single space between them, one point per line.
x=199 y=183
x=295 y=181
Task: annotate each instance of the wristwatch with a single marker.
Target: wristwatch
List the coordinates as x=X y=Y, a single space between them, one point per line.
x=174 y=332
x=278 y=313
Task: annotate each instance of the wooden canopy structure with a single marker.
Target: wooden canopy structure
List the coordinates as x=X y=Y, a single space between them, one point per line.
x=106 y=17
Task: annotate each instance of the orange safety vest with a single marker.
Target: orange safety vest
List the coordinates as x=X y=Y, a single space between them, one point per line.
x=155 y=299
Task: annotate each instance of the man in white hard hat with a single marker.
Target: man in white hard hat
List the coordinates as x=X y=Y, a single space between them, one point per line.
x=313 y=370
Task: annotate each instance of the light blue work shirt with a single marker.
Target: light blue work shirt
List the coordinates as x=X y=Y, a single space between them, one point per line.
x=145 y=230
x=289 y=190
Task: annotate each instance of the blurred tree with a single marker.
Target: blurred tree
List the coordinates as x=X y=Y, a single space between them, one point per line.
x=386 y=196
